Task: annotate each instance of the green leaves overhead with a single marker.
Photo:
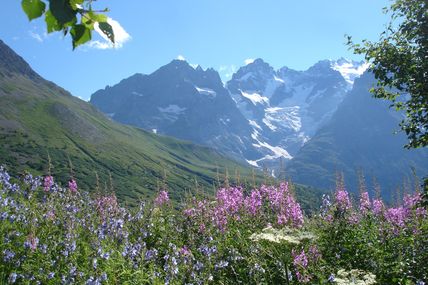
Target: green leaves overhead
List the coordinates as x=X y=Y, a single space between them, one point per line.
x=399 y=63
x=80 y=34
x=33 y=8
x=107 y=30
x=74 y=16
x=62 y=11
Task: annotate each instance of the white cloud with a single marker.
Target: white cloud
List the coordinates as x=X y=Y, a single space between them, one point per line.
x=226 y=71
x=120 y=36
x=180 y=57
x=249 y=61
x=36 y=36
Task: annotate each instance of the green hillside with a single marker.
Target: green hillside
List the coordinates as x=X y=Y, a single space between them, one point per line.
x=39 y=120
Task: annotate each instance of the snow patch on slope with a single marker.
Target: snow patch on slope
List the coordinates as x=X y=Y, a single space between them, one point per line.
x=206 y=91
x=255 y=98
x=349 y=69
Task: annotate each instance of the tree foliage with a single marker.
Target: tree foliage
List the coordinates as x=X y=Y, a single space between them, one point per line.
x=74 y=17
x=399 y=61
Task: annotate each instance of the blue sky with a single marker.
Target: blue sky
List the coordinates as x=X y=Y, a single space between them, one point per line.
x=213 y=33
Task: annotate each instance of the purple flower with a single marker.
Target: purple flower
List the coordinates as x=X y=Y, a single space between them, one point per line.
x=8 y=255
x=48 y=183
x=300 y=262
x=253 y=202
x=150 y=254
x=378 y=206
x=72 y=185
x=396 y=217
x=162 y=198
x=342 y=200
x=364 y=202
x=31 y=243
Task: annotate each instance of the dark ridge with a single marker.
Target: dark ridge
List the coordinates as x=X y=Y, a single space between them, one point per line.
x=11 y=63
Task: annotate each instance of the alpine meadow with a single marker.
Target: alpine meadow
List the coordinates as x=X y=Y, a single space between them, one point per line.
x=227 y=142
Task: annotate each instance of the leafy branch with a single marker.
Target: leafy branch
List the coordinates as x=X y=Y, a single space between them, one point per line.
x=74 y=17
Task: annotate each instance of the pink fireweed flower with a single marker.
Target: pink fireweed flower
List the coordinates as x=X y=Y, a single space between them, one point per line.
x=162 y=198
x=231 y=199
x=314 y=253
x=342 y=200
x=32 y=242
x=253 y=202
x=378 y=207
x=396 y=216
x=189 y=212
x=290 y=212
x=72 y=185
x=185 y=251
x=300 y=262
x=48 y=183
x=364 y=203
x=295 y=212
x=410 y=201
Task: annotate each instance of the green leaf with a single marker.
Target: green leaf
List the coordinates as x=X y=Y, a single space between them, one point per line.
x=62 y=11
x=51 y=23
x=96 y=17
x=75 y=4
x=107 y=30
x=80 y=34
x=33 y=8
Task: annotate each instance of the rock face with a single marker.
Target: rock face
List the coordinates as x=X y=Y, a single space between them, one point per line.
x=286 y=107
x=259 y=116
x=359 y=137
x=181 y=101
x=317 y=120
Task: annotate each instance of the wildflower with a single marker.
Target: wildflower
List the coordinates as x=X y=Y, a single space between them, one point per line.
x=150 y=254
x=342 y=200
x=396 y=217
x=8 y=255
x=253 y=202
x=326 y=204
x=221 y=264
x=300 y=262
x=378 y=206
x=72 y=185
x=314 y=253
x=364 y=202
x=12 y=277
x=185 y=251
x=31 y=243
x=51 y=275
x=103 y=277
x=162 y=198
x=48 y=183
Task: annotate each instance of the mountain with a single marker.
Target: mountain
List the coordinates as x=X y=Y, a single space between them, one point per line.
x=39 y=119
x=259 y=116
x=286 y=107
x=180 y=101
x=359 y=137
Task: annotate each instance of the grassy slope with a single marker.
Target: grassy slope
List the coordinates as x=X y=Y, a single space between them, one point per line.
x=37 y=118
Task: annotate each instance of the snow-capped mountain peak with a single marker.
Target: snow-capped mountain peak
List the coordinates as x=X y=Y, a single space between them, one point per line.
x=349 y=69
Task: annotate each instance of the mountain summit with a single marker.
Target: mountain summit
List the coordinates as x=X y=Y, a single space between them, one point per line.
x=39 y=120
